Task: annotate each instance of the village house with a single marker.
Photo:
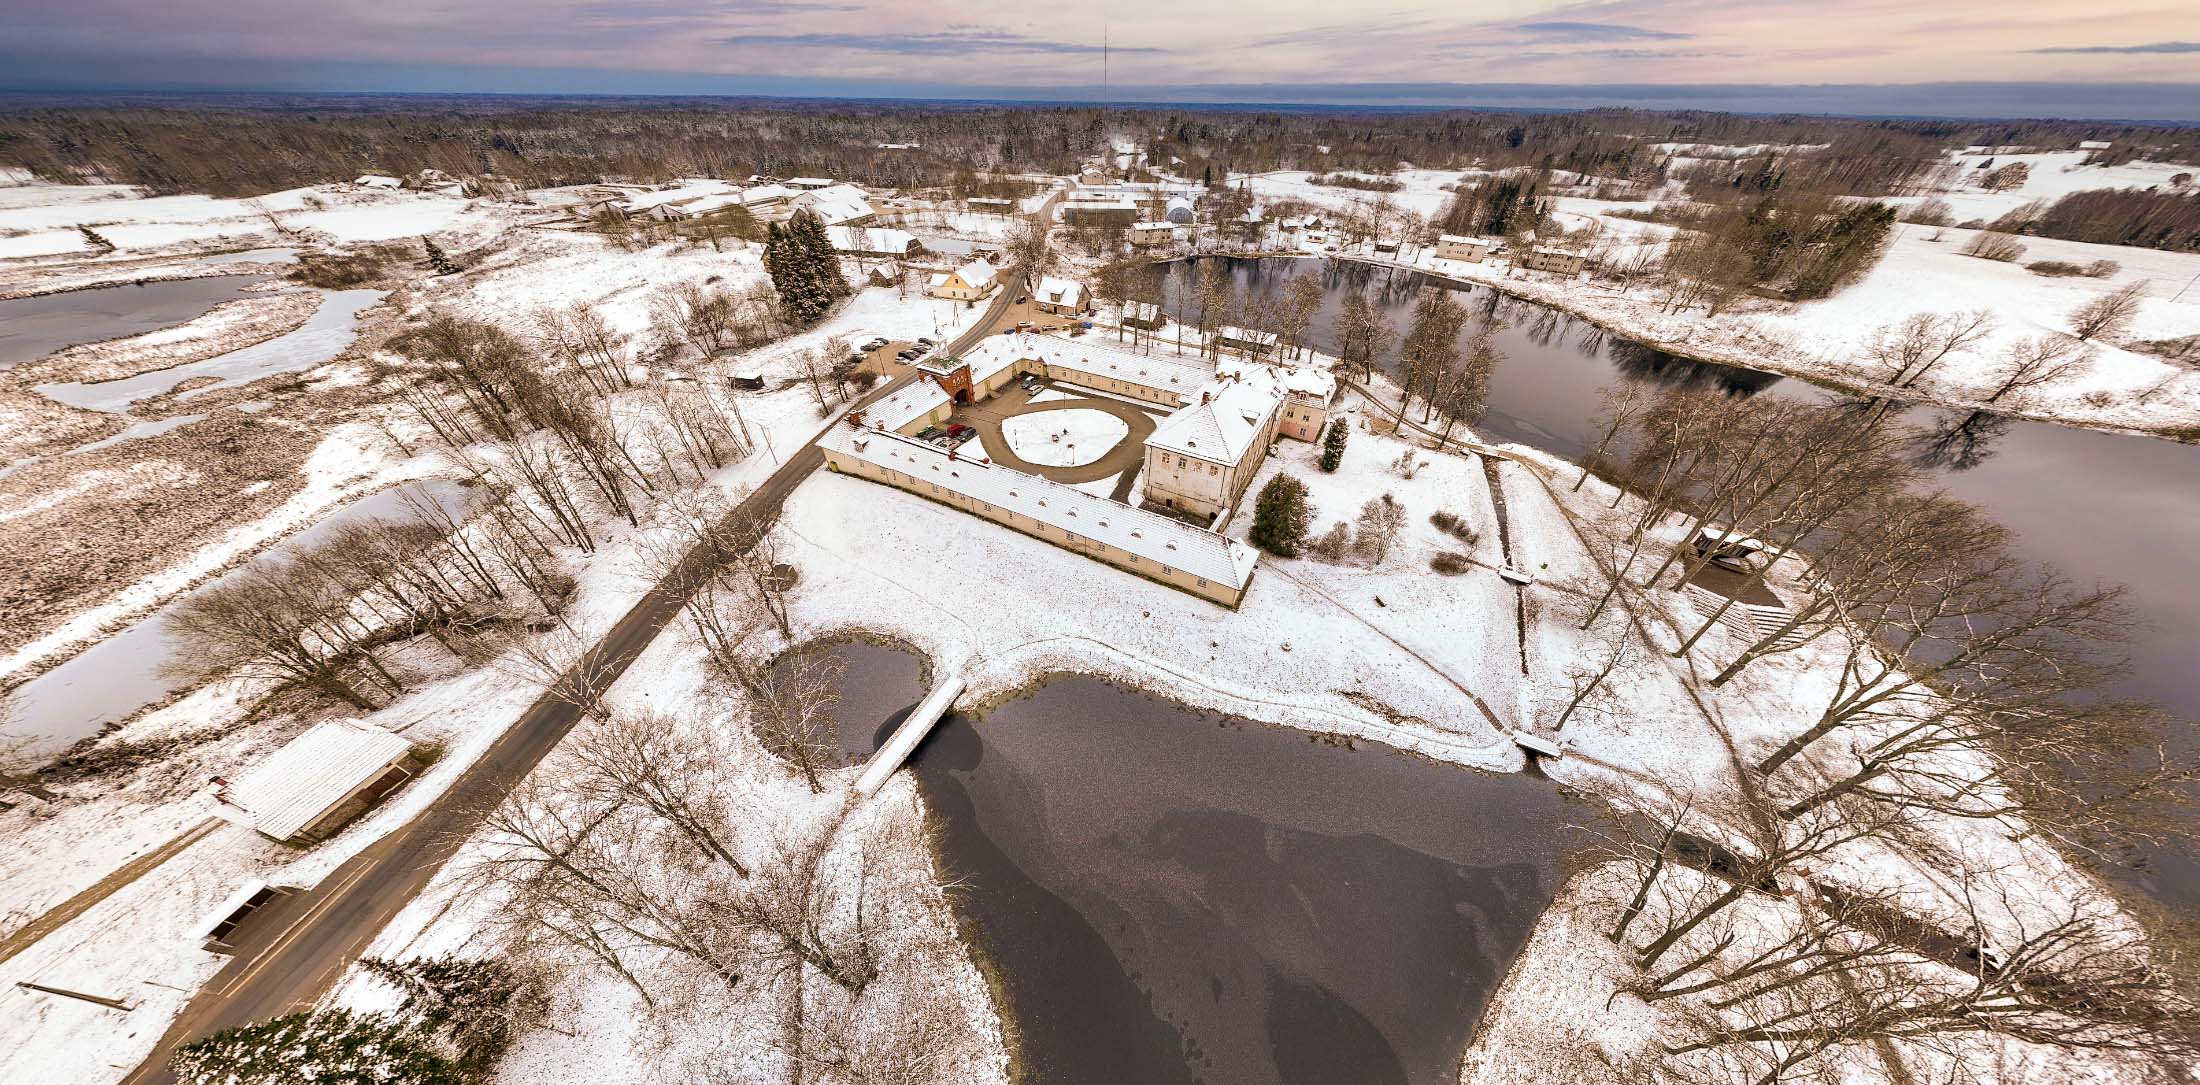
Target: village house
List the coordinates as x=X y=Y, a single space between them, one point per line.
x=974 y=281
x=809 y=183
x=1245 y=340
x=376 y=180
x=1152 y=233
x=1466 y=250
x=1555 y=260
x=992 y=205
x=871 y=241
x=1061 y=297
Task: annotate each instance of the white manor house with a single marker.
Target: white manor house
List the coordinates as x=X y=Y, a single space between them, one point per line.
x=1198 y=462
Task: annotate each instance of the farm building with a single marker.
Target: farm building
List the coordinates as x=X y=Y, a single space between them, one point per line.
x=312 y=785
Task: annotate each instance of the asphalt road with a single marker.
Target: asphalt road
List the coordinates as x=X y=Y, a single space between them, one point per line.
x=290 y=968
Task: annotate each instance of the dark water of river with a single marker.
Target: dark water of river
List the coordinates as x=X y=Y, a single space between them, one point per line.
x=2098 y=506
x=1174 y=896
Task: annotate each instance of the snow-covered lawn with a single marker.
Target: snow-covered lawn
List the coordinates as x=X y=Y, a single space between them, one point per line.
x=1071 y=437
x=1424 y=193
x=2052 y=176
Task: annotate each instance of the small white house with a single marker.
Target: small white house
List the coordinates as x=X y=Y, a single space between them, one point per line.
x=1062 y=297
x=376 y=180
x=1558 y=261
x=809 y=183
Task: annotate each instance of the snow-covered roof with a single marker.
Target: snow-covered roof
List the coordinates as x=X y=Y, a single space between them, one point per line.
x=809 y=182
x=1462 y=239
x=1153 y=226
x=977 y=273
x=676 y=196
x=1163 y=540
x=1087 y=355
x=376 y=180
x=871 y=239
x=837 y=204
x=760 y=195
x=1221 y=425
x=1299 y=379
x=312 y=773
x=1054 y=290
x=1247 y=335
x=911 y=402
x=1542 y=251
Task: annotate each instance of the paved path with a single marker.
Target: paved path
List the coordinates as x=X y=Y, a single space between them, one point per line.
x=336 y=920
x=1127 y=454
x=59 y=915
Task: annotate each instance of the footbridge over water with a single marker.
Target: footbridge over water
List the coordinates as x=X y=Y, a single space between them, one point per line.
x=903 y=741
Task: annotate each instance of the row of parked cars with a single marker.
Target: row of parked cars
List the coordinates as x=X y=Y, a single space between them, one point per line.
x=950 y=436
x=919 y=349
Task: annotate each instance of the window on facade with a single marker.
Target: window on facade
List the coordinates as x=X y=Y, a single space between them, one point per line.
x=1213 y=470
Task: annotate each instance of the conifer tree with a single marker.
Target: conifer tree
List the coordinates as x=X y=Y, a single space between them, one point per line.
x=1333 y=444
x=477 y=1005
x=1281 y=516
x=802 y=299
x=332 y=1047
x=817 y=245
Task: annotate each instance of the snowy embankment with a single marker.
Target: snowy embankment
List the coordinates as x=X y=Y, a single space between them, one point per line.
x=1826 y=340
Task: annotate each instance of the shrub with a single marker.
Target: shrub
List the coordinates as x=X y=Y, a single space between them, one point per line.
x=1934 y=212
x=2054 y=268
x=1455 y=526
x=1988 y=245
x=1449 y=563
x=1332 y=545
x=337 y=271
x=2102 y=269
x=1333 y=443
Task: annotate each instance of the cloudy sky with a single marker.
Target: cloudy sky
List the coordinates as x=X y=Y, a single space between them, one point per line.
x=966 y=50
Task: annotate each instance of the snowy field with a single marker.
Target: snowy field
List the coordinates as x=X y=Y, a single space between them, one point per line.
x=43 y=220
x=1425 y=191
x=1070 y=437
x=2052 y=175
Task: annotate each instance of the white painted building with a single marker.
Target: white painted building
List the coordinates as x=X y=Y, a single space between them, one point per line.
x=973 y=281
x=317 y=781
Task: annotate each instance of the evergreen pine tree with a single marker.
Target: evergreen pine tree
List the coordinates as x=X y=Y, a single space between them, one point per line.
x=477 y=1005
x=794 y=275
x=1281 y=516
x=1333 y=444
x=818 y=244
x=332 y=1047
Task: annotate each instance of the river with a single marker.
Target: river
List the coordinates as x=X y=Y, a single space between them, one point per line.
x=124 y=673
x=2098 y=506
x=36 y=326
x=1170 y=895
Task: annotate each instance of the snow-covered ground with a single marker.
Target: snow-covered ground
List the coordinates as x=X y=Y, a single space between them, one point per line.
x=43 y=220
x=1065 y=438
x=2052 y=175
x=1425 y=192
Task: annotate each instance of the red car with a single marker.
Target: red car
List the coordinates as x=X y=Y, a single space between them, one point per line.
x=957 y=430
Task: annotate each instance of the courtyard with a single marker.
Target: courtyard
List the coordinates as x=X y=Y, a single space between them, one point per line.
x=1063 y=433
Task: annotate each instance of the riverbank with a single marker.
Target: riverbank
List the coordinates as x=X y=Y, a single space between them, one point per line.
x=2122 y=392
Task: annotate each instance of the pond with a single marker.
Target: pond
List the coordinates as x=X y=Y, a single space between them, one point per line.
x=121 y=674
x=1169 y=895
x=324 y=335
x=2098 y=506
x=34 y=327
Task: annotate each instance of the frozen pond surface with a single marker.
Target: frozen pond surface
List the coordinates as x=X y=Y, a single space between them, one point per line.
x=33 y=327
x=325 y=335
x=1171 y=896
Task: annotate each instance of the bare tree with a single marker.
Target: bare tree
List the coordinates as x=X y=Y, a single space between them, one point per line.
x=2040 y=361
x=1907 y=351
x=2108 y=314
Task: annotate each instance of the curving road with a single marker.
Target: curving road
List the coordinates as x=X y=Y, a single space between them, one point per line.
x=324 y=929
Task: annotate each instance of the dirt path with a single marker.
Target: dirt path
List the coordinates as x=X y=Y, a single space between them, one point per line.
x=59 y=915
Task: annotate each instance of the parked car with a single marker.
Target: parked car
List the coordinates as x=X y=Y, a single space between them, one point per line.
x=874 y=344
x=920 y=349
x=1023 y=325
x=907 y=355
x=957 y=429
x=923 y=342
x=1030 y=383
x=929 y=432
